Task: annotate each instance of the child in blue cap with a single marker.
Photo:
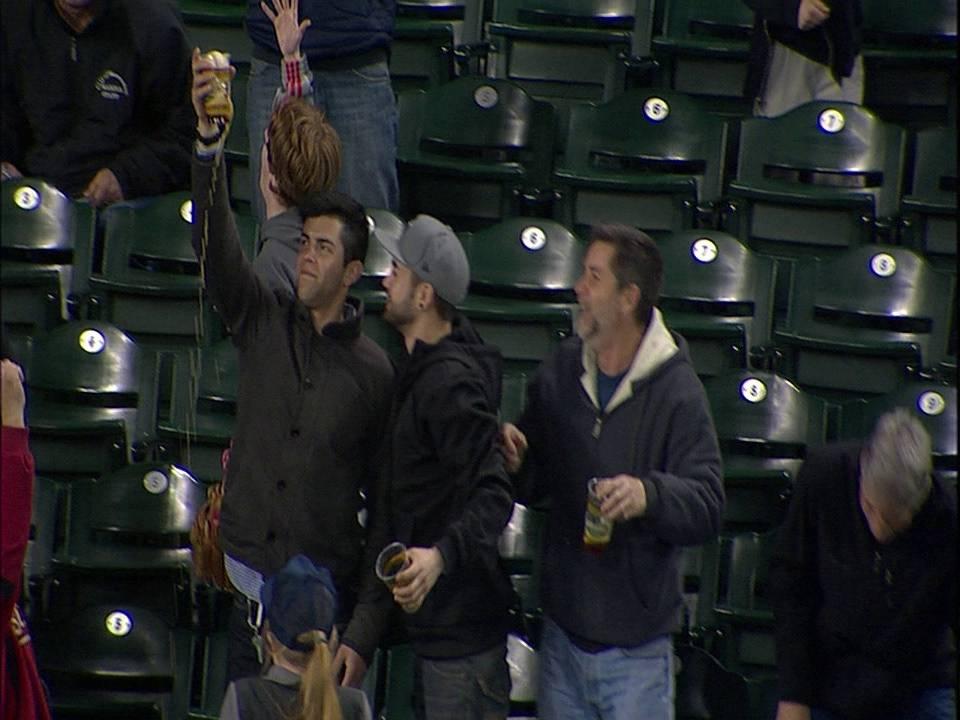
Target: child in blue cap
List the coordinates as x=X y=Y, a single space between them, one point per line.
x=299 y=638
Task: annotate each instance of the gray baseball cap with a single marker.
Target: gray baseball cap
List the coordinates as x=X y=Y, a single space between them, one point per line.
x=433 y=251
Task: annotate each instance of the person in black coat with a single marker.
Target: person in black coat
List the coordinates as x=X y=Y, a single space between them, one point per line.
x=864 y=582
x=450 y=496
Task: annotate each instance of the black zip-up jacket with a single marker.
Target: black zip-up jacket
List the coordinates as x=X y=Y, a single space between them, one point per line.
x=835 y=44
x=115 y=96
x=449 y=489
x=656 y=427
x=862 y=626
x=310 y=422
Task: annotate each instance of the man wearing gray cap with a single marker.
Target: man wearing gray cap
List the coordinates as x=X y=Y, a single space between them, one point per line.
x=450 y=496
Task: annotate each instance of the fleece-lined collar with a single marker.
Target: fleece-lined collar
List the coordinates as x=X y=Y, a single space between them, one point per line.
x=656 y=347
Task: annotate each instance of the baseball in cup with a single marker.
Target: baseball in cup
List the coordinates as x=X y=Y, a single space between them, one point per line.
x=391 y=560
x=218 y=103
x=596 y=528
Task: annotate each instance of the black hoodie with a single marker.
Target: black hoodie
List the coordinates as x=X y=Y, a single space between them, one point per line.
x=449 y=489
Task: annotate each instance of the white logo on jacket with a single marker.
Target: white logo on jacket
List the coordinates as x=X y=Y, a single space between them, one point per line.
x=111 y=86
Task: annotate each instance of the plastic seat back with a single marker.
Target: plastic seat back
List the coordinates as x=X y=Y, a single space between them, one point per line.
x=92 y=397
x=202 y=420
x=743 y=606
x=704 y=50
x=909 y=54
x=568 y=51
x=816 y=179
x=115 y=660
x=467 y=149
x=647 y=158
x=764 y=425
x=137 y=518
x=150 y=284
x=719 y=295
x=46 y=248
x=857 y=322
x=930 y=210
x=533 y=258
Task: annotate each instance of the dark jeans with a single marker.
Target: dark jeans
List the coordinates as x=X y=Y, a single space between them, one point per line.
x=242 y=658
x=933 y=704
x=476 y=687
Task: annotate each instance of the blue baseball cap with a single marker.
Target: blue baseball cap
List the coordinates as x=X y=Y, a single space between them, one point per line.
x=299 y=598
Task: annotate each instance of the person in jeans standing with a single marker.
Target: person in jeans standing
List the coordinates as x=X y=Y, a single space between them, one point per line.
x=450 y=496
x=620 y=402
x=345 y=45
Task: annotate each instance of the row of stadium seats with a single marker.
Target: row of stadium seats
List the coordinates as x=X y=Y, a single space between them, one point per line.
x=594 y=49
x=97 y=400
x=883 y=308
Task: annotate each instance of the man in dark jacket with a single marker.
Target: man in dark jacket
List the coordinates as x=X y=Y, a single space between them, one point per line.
x=622 y=403
x=864 y=582
x=804 y=50
x=96 y=96
x=346 y=45
x=450 y=495
x=314 y=394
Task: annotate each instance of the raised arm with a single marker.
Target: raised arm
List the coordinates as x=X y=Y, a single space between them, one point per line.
x=227 y=274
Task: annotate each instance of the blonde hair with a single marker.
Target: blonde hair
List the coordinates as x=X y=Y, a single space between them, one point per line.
x=318 y=691
x=303 y=151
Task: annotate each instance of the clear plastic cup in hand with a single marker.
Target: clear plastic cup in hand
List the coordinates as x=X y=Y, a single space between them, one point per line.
x=391 y=560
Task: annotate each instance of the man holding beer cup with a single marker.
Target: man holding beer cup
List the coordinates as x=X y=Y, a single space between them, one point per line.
x=621 y=440
x=450 y=496
x=313 y=397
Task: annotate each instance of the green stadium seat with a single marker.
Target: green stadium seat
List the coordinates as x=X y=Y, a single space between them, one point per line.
x=212 y=25
x=659 y=171
x=470 y=150
x=719 y=296
x=934 y=404
x=47 y=250
x=522 y=274
x=816 y=180
x=92 y=399
x=150 y=283
x=764 y=424
x=857 y=323
x=46 y=523
x=704 y=50
x=513 y=396
x=202 y=419
x=699 y=567
x=910 y=60
x=128 y=540
x=421 y=54
x=567 y=51
x=743 y=610
x=115 y=661
x=929 y=211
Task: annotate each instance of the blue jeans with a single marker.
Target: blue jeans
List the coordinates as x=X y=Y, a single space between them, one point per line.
x=615 y=684
x=359 y=103
x=932 y=704
x=476 y=687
